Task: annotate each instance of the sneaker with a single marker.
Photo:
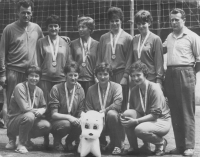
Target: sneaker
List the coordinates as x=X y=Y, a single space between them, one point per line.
x=11 y=145
x=188 y=152
x=160 y=150
x=175 y=151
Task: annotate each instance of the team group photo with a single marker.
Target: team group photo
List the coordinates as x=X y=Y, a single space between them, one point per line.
x=82 y=78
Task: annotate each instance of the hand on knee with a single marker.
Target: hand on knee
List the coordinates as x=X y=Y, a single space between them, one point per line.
x=130 y=113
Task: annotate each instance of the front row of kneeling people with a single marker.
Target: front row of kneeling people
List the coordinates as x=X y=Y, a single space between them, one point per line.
x=147 y=118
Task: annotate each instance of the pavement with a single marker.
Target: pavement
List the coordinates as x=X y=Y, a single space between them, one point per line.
x=50 y=153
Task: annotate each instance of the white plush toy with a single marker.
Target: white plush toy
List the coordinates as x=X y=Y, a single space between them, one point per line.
x=91 y=126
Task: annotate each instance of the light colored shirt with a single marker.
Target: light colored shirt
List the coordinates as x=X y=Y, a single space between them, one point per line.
x=183 y=50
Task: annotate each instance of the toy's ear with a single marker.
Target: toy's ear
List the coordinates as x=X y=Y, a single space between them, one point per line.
x=83 y=114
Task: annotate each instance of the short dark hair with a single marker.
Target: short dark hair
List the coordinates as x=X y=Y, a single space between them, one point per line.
x=115 y=12
x=71 y=66
x=139 y=66
x=53 y=19
x=88 y=21
x=33 y=69
x=178 y=10
x=143 y=16
x=25 y=4
x=103 y=67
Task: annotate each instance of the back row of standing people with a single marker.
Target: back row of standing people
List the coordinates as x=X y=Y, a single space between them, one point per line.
x=22 y=44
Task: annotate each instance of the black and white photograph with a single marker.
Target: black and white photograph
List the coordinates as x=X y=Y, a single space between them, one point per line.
x=99 y=78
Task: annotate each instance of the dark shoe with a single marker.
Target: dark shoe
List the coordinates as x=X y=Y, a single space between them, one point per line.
x=160 y=152
x=188 y=152
x=130 y=151
x=144 y=151
x=1 y=124
x=90 y=155
x=107 y=148
x=11 y=145
x=30 y=145
x=46 y=142
x=175 y=151
x=70 y=147
x=58 y=146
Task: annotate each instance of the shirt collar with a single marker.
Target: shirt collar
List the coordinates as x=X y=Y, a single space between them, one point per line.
x=185 y=32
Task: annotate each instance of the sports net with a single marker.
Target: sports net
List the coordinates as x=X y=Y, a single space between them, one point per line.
x=69 y=10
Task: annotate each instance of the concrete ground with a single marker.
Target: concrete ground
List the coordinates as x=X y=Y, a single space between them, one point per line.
x=40 y=153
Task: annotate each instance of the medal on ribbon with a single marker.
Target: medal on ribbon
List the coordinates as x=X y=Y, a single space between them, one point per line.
x=139 y=48
x=144 y=103
x=69 y=104
x=31 y=104
x=114 y=43
x=54 y=63
x=85 y=50
x=113 y=56
x=103 y=102
x=83 y=64
x=54 y=50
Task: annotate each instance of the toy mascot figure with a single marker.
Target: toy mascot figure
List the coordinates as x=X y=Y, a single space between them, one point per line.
x=91 y=126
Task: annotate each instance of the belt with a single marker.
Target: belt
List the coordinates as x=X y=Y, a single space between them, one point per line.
x=174 y=66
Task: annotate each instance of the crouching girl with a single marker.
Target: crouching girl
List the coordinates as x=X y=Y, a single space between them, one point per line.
x=149 y=116
x=25 y=113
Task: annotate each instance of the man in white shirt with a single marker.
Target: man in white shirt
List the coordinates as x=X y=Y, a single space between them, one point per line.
x=183 y=63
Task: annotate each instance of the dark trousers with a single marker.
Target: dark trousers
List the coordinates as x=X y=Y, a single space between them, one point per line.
x=117 y=76
x=86 y=85
x=13 y=78
x=46 y=88
x=180 y=91
x=61 y=128
x=114 y=129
